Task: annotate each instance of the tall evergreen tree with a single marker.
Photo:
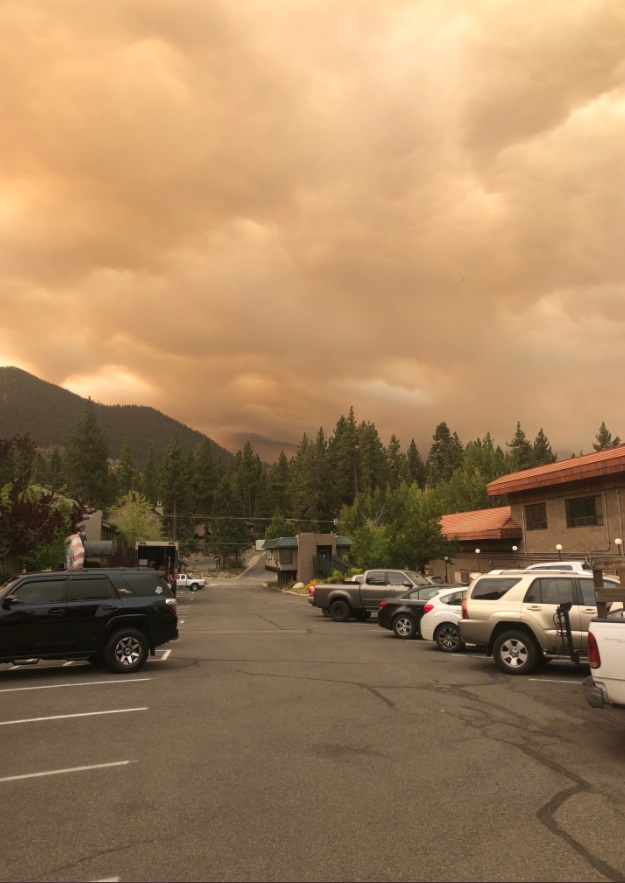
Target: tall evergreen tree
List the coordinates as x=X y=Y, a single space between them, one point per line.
x=56 y=478
x=126 y=475
x=396 y=463
x=604 y=439
x=343 y=456
x=229 y=532
x=248 y=470
x=175 y=490
x=372 y=459
x=150 y=484
x=445 y=455
x=521 y=454
x=206 y=473
x=87 y=460
x=278 y=486
x=542 y=453
x=416 y=466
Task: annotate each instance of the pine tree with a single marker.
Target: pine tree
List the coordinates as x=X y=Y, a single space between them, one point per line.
x=372 y=459
x=175 y=489
x=397 y=467
x=542 y=453
x=150 y=484
x=229 y=532
x=86 y=461
x=445 y=455
x=278 y=486
x=521 y=454
x=126 y=475
x=206 y=473
x=604 y=439
x=55 y=471
x=416 y=466
x=247 y=475
x=343 y=456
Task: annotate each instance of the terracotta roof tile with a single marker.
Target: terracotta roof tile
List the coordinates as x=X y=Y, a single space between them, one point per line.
x=579 y=468
x=482 y=524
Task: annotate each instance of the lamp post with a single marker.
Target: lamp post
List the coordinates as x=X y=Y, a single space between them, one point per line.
x=515 y=549
x=618 y=542
x=559 y=551
x=446 y=566
x=477 y=554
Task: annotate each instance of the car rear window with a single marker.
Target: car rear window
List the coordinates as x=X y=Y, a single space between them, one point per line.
x=146 y=584
x=493 y=588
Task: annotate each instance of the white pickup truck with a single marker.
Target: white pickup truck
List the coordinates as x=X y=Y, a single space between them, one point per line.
x=187 y=581
x=606 y=654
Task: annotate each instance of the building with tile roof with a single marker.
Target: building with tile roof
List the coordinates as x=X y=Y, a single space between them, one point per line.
x=577 y=504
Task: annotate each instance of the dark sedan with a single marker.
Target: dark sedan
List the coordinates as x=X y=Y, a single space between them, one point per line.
x=402 y=615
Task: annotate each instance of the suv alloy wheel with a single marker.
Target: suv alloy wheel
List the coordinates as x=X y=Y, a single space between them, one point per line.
x=126 y=651
x=516 y=653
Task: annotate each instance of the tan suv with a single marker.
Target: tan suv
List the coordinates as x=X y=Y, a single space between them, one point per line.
x=512 y=615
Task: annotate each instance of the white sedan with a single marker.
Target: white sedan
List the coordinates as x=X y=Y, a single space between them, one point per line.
x=441 y=616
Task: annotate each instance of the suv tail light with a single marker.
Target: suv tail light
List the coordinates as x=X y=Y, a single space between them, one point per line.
x=427 y=608
x=383 y=604
x=311 y=591
x=465 y=614
x=171 y=603
x=593 y=651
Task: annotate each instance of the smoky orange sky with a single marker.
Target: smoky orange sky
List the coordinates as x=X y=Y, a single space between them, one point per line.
x=253 y=214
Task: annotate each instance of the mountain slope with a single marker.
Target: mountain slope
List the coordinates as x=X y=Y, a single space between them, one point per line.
x=49 y=413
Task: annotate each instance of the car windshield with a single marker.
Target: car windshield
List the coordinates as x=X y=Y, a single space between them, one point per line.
x=417 y=578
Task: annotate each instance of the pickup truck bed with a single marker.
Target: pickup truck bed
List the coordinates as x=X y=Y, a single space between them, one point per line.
x=606 y=654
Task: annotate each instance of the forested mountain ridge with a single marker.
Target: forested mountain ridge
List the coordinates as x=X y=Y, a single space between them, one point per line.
x=48 y=413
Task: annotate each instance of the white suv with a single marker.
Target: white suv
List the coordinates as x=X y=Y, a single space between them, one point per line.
x=576 y=566
x=513 y=615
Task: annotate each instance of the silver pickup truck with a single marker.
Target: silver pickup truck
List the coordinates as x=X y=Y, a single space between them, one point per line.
x=360 y=599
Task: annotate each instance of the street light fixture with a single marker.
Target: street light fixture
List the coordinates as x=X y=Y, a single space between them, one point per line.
x=479 y=567
x=559 y=551
x=618 y=542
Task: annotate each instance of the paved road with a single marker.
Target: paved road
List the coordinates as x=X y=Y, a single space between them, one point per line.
x=274 y=744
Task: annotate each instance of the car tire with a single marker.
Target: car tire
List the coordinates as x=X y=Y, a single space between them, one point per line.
x=404 y=627
x=516 y=653
x=193 y=587
x=447 y=638
x=340 y=611
x=126 y=651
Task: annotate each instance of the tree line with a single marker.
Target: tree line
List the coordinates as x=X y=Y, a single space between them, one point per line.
x=384 y=497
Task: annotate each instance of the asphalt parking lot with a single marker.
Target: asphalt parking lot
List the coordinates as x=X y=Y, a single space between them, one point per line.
x=270 y=743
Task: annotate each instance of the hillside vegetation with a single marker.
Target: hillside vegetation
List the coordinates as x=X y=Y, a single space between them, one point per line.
x=48 y=413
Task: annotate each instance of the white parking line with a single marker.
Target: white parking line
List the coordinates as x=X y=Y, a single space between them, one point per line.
x=82 y=684
x=165 y=655
x=58 y=717
x=75 y=769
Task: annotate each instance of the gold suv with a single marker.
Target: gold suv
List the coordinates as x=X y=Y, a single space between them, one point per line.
x=513 y=615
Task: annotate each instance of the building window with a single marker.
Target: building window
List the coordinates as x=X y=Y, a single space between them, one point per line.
x=286 y=556
x=584 y=512
x=536 y=516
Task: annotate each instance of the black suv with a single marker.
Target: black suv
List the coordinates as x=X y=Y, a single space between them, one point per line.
x=110 y=616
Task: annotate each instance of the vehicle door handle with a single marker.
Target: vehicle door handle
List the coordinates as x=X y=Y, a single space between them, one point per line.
x=56 y=611
x=109 y=607
x=535 y=607
x=590 y=610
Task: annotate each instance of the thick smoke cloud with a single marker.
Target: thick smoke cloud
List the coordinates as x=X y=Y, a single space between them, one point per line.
x=252 y=216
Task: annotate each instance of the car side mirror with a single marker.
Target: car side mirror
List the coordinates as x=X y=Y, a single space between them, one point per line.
x=407 y=583
x=8 y=601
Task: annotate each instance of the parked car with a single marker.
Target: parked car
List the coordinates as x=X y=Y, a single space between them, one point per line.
x=515 y=616
x=576 y=566
x=188 y=581
x=111 y=616
x=440 y=620
x=402 y=615
x=348 y=599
